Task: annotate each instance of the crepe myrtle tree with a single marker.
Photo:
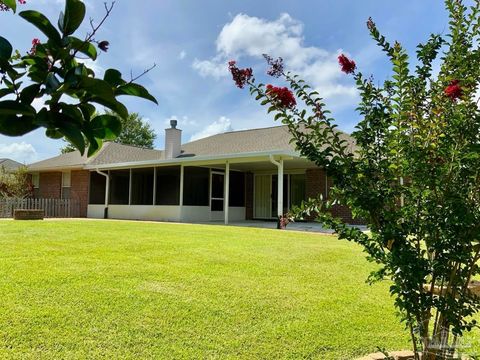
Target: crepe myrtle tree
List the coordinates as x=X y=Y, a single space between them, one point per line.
x=413 y=175
x=55 y=71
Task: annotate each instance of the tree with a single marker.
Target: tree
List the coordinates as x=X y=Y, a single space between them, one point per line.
x=53 y=71
x=134 y=132
x=15 y=184
x=413 y=176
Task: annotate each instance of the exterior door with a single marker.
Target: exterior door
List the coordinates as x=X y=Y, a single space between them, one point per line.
x=263 y=199
x=217 y=196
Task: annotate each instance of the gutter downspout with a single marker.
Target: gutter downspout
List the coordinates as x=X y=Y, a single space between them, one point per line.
x=279 y=165
x=107 y=189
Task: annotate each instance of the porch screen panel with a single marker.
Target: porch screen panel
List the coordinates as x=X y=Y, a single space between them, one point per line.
x=98 y=184
x=237 y=189
x=168 y=186
x=196 y=186
x=297 y=189
x=262 y=196
x=119 y=187
x=142 y=186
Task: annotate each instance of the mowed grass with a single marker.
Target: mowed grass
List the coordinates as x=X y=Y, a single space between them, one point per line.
x=120 y=290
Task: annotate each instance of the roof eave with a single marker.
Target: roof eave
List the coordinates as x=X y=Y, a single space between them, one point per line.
x=240 y=157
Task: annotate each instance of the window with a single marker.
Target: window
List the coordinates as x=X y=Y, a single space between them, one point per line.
x=237 y=189
x=66 y=183
x=142 y=186
x=196 y=186
x=98 y=184
x=119 y=187
x=36 y=185
x=297 y=189
x=168 y=186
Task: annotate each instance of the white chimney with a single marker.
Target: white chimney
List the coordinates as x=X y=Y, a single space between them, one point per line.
x=173 y=141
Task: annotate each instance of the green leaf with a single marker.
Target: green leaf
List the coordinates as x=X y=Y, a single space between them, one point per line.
x=113 y=77
x=42 y=23
x=29 y=93
x=135 y=90
x=73 y=134
x=74 y=15
x=106 y=127
x=86 y=48
x=52 y=83
x=97 y=87
x=6 y=49
x=4 y=92
x=12 y=125
x=12 y=4
x=113 y=105
x=53 y=134
x=11 y=107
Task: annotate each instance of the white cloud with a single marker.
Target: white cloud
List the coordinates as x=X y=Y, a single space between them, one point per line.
x=249 y=36
x=182 y=55
x=22 y=152
x=215 y=68
x=223 y=124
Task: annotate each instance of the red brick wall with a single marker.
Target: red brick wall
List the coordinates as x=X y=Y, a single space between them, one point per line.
x=249 y=196
x=315 y=184
x=50 y=186
x=80 y=180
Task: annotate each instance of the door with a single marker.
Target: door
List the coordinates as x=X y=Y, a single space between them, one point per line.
x=262 y=197
x=217 y=196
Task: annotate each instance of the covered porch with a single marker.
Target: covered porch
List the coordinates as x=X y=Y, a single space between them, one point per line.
x=226 y=189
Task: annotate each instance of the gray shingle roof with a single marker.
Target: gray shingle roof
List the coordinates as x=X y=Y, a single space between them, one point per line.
x=275 y=138
x=9 y=164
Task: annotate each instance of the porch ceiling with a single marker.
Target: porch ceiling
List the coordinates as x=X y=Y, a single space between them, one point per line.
x=292 y=164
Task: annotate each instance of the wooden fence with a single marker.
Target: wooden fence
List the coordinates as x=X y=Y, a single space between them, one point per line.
x=54 y=208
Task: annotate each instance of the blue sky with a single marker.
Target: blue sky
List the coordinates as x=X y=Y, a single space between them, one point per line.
x=191 y=41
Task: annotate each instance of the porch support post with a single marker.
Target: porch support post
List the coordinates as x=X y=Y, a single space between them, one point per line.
x=227 y=191
x=182 y=172
x=279 y=165
x=280 y=189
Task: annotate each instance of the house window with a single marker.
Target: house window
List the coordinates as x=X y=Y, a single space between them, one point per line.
x=66 y=184
x=119 y=187
x=196 y=186
x=98 y=184
x=237 y=189
x=36 y=185
x=168 y=186
x=142 y=186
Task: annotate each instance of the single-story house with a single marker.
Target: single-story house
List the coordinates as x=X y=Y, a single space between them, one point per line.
x=233 y=176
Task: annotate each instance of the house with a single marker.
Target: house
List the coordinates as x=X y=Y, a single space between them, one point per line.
x=233 y=176
x=9 y=165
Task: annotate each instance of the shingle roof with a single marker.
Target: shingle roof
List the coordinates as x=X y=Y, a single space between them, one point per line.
x=9 y=164
x=243 y=141
x=275 y=138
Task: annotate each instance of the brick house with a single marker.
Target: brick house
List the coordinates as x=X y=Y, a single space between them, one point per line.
x=233 y=176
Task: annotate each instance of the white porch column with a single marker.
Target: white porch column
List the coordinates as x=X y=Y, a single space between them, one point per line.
x=227 y=191
x=130 y=188
x=280 y=189
x=154 y=186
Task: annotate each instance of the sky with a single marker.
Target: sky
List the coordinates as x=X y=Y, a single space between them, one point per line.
x=191 y=41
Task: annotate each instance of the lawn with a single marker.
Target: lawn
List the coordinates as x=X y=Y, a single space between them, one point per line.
x=112 y=289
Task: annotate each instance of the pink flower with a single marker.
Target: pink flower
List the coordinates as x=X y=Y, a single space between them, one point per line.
x=282 y=96
x=453 y=90
x=348 y=66
x=240 y=76
x=35 y=43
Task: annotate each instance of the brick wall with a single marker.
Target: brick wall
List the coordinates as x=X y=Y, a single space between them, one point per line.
x=249 y=196
x=50 y=186
x=315 y=180
x=80 y=180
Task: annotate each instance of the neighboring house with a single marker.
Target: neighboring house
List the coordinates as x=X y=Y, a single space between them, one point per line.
x=9 y=165
x=238 y=175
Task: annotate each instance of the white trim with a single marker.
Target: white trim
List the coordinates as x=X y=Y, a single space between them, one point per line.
x=154 y=186
x=226 y=191
x=130 y=188
x=205 y=160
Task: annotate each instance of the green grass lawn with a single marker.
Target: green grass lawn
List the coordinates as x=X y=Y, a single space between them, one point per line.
x=111 y=289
